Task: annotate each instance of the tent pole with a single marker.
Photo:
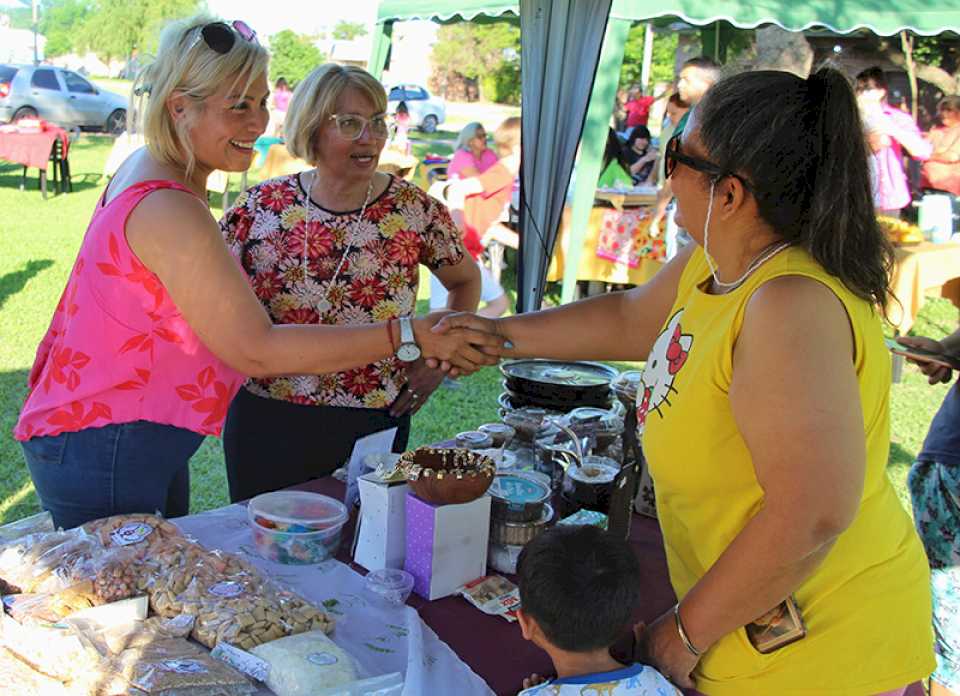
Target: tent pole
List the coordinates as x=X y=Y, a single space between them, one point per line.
x=382 y=36
x=647 y=64
x=592 y=144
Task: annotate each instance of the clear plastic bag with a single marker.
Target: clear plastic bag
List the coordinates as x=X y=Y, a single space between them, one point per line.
x=19 y=679
x=47 y=562
x=41 y=523
x=57 y=652
x=305 y=664
x=175 y=667
x=136 y=531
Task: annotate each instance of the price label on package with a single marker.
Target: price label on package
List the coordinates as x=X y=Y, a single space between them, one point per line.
x=494 y=595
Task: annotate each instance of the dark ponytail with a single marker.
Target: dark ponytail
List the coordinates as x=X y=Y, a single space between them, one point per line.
x=800 y=143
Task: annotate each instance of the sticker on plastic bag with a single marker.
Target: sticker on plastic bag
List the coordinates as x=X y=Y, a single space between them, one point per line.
x=132 y=533
x=226 y=589
x=242 y=661
x=322 y=659
x=183 y=666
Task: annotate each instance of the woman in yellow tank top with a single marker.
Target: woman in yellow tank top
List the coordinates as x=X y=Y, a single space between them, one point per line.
x=764 y=403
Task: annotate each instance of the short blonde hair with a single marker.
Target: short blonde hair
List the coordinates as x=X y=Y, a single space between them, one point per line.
x=184 y=64
x=315 y=99
x=507 y=136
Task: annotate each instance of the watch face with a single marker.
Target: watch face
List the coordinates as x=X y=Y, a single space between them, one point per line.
x=408 y=352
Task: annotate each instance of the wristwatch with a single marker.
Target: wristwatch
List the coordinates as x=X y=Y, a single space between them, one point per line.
x=408 y=351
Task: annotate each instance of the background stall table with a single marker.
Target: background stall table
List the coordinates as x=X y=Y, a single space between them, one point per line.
x=37 y=150
x=921 y=270
x=609 y=232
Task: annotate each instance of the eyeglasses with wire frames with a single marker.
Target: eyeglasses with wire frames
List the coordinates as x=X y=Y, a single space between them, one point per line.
x=221 y=37
x=352 y=126
x=673 y=156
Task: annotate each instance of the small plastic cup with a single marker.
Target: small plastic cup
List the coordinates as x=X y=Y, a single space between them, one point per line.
x=389 y=587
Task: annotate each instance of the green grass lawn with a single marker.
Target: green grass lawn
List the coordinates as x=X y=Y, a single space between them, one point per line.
x=39 y=240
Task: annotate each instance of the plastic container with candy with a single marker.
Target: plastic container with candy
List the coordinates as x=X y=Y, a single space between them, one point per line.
x=296 y=527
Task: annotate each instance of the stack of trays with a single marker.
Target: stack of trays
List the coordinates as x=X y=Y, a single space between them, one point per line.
x=519 y=512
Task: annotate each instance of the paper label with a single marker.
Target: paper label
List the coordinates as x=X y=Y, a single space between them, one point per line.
x=242 y=661
x=132 y=533
x=183 y=666
x=322 y=658
x=226 y=589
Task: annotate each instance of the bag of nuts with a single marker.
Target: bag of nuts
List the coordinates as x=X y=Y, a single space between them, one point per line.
x=142 y=532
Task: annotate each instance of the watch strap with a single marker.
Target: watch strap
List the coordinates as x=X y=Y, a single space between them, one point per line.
x=406 y=331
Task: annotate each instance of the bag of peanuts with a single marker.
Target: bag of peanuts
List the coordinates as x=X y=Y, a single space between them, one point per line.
x=48 y=562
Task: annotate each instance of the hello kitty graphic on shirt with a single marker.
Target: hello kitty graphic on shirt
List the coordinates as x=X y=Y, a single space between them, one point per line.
x=667 y=357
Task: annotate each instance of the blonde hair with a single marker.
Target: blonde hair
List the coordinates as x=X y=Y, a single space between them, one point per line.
x=184 y=64
x=507 y=136
x=315 y=99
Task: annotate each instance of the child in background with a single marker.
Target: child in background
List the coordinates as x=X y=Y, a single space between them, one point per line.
x=579 y=587
x=401 y=121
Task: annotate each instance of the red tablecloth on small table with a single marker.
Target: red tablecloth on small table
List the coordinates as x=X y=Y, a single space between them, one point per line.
x=33 y=149
x=490 y=645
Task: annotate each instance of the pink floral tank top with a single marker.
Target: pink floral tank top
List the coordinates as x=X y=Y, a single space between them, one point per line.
x=118 y=350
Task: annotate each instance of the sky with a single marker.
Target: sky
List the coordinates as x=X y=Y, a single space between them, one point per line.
x=302 y=16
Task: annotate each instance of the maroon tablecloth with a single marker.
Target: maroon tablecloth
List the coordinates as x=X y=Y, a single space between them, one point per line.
x=32 y=149
x=492 y=646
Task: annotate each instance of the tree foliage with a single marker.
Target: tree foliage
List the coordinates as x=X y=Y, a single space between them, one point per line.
x=59 y=23
x=664 y=55
x=293 y=56
x=348 y=31
x=487 y=53
x=123 y=28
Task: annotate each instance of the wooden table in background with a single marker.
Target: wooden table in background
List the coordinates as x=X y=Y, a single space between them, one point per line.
x=922 y=270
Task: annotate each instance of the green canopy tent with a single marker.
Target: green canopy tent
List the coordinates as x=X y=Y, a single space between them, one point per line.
x=539 y=227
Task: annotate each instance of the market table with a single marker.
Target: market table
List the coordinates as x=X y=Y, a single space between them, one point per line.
x=37 y=150
x=617 y=247
x=494 y=648
x=921 y=270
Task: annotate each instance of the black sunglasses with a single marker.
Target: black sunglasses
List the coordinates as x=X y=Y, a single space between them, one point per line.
x=221 y=37
x=674 y=156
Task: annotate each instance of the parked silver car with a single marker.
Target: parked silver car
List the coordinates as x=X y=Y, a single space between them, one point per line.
x=60 y=96
x=426 y=112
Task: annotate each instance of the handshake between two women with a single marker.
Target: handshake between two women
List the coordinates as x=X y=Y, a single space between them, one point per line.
x=460 y=343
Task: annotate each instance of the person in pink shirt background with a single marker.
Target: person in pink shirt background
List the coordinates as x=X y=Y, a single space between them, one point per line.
x=158 y=325
x=472 y=156
x=281 y=100
x=889 y=132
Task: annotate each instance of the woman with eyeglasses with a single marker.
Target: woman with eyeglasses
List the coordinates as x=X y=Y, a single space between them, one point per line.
x=158 y=327
x=338 y=245
x=764 y=406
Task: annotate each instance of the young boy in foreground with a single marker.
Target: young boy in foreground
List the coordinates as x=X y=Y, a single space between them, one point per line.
x=578 y=590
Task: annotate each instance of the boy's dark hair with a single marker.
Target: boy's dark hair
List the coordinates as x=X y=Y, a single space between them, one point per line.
x=580 y=584
x=872 y=78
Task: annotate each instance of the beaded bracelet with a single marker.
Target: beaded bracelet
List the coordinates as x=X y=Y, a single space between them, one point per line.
x=684 y=638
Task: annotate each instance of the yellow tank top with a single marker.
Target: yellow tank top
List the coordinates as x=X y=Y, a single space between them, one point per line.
x=867 y=607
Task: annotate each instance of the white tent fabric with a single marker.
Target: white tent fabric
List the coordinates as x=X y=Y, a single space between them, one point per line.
x=560 y=48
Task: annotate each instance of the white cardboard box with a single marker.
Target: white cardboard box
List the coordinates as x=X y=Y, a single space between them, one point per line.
x=446 y=544
x=382 y=528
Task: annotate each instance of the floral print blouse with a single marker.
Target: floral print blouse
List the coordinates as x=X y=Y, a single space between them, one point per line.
x=404 y=227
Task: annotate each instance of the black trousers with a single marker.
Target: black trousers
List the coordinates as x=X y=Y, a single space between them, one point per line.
x=271 y=444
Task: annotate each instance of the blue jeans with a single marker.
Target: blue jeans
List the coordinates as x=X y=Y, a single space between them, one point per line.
x=116 y=469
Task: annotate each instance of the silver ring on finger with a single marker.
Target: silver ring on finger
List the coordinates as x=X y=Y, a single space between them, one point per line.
x=414 y=395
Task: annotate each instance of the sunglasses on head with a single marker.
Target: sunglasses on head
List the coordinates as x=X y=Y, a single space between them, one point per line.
x=674 y=156
x=221 y=37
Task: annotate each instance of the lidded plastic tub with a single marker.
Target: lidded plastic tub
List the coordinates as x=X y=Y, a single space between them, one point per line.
x=296 y=527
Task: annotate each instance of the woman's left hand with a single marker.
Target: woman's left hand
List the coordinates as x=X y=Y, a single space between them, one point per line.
x=659 y=645
x=422 y=381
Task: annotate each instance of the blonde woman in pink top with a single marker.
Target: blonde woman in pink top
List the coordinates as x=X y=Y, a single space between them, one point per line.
x=157 y=326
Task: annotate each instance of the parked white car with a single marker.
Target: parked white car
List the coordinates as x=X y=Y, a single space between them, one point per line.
x=426 y=112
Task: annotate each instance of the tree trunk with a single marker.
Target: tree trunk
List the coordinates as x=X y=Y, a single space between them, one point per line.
x=907 y=42
x=779 y=49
